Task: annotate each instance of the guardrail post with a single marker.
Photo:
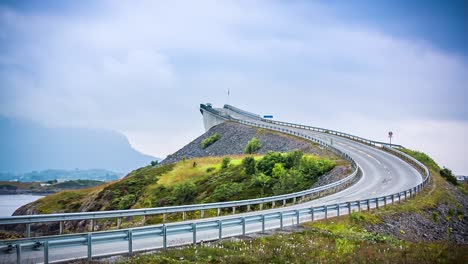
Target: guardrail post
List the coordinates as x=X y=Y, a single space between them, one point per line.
x=233 y=210
x=130 y=242
x=410 y=193
x=385 y=201
x=284 y=202
x=28 y=230
x=368 y=205
x=399 y=197
x=393 y=198
x=61 y=227
x=220 y=229
x=89 y=242
x=46 y=252
x=359 y=206
x=194 y=233
x=143 y=220
x=263 y=223
x=302 y=198
x=326 y=211
x=281 y=220
x=243 y=226
x=164 y=229
x=261 y=206
x=272 y=204
x=91 y=228
x=184 y=216
x=202 y=213
x=297 y=217
x=164 y=218
x=119 y=222
x=312 y=213
x=406 y=194
x=294 y=200
x=377 y=203
x=349 y=208
x=248 y=208
x=18 y=253
x=337 y=210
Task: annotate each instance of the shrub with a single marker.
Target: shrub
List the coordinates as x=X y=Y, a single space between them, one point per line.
x=154 y=163
x=227 y=191
x=210 y=140
x=210 y=169
x=127 y=201
x=249 y=165
x=185 y=193
x=268 y=161
x=293 y=159
x=225 y=163
x=252 y=146
x=261 y=180
x=448 y=175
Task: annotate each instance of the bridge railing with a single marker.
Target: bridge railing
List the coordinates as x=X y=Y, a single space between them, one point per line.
x=257 y=222
x=312 y=128
x=282 y=199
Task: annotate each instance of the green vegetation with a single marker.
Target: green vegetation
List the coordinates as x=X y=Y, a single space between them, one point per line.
x=448 y=175
x=225 y=163
x=51 y=186
x=213 y=179
x=252 y=146
x=154 y=163
x=339 y=240
x=210 y=140
x=321 y=242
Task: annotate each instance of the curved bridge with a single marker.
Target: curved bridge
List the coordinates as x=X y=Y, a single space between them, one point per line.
x=386 y=176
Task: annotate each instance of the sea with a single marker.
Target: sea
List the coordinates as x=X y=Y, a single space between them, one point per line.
x=9 y=203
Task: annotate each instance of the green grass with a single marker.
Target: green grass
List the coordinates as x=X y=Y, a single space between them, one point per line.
x=198 y=180
x=320 y=242
x=337 y=240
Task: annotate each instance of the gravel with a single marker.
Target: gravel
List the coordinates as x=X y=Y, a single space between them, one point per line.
x=234 y=138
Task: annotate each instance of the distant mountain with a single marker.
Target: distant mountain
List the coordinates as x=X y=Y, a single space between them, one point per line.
x=62 y=175
x=27 y=146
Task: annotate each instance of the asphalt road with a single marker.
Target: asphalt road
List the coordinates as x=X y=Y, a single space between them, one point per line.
x=383 y=174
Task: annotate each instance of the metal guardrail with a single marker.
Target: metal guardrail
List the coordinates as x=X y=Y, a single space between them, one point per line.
x=302 y=195
x=316 y=129
x=165 y=231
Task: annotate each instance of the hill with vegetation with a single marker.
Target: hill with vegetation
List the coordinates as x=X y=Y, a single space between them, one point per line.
x=430 y=228
x=231 y=138
x=211 y=178
x=45 y=187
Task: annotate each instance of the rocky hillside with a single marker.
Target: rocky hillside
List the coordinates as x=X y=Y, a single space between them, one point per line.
x=234 y=138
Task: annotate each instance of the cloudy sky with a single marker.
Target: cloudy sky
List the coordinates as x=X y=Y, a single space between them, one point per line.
x=143 y=67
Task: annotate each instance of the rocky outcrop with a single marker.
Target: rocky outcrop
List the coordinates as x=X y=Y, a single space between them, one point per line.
x=234 y=138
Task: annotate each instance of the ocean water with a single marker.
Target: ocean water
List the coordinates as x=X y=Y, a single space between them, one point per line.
x=9 y=203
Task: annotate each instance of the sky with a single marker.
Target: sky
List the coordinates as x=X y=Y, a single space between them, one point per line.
x=143 y=67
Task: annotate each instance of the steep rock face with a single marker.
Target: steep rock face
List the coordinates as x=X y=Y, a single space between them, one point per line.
x=234 y=138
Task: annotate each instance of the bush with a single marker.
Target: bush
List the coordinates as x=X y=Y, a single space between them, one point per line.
x=227 y=191
x=225 y=163
x=252 y=146
x=448 y=175
x=249 y=165
x=127 y=201
x=185 y=193
x=154 y=163
x=210 y=140
x=268 y=161
x=293 y=159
